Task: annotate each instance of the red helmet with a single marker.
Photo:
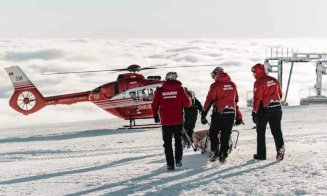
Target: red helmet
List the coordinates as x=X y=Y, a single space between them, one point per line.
x=217 y=71
x=258 y=70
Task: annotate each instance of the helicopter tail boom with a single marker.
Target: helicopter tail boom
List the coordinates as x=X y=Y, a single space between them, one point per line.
x=26 y=98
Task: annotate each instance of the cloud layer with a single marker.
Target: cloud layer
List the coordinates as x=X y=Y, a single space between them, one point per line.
x=235 y=55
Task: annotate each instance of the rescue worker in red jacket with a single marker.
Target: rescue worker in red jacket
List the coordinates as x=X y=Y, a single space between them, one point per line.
x=169 y=100
x=267 y=107
x=224 y=97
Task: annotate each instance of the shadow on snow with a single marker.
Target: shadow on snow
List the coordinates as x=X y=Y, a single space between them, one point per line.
x=77 y=171
x=67 y=136
x=192 y=168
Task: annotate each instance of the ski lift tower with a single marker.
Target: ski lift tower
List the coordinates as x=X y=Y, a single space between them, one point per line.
x=279 y=56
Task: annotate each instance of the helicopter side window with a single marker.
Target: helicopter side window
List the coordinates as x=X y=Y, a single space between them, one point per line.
x=133 y=95
x=150 y=94
x=141 y=95
x=144 y=94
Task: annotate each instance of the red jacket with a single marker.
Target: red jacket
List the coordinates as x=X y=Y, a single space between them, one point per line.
x=171 y=99
x=222 y=94
x=266 y=89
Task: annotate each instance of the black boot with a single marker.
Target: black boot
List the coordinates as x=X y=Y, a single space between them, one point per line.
x=214 y=156
x=280 y=154
x=222 y=159
x=178 y=163
x=259 y=157
x=170 y=168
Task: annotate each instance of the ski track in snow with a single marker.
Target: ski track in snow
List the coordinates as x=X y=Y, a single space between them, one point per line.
x=96 y=159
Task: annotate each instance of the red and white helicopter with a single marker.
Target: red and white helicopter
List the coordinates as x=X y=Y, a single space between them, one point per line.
x=129 y=97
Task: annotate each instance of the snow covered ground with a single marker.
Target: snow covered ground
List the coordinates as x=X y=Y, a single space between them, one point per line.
x=96 y=158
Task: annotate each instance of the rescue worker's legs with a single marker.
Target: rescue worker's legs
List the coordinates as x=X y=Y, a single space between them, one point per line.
x=226 y=130
x=223 y=123
x=213 y=132
x=274 y=119
x=167 y=134
x=261 y=136
x=275 y=126
x=178 y=129
x=190 y=116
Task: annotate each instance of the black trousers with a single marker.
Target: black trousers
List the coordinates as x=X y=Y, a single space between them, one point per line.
x=274 y=120
x=190 y=117
x=168 y=132
x=224 y=124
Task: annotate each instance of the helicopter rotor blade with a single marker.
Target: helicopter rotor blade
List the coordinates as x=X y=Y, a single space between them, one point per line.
x=145 y=68
x=180 y=66
x=162 y=66
x=79 y=72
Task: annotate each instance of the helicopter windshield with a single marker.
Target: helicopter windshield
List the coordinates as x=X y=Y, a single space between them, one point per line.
x=98 y=89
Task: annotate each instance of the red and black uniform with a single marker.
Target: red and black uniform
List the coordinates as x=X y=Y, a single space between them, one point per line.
x=169 y=100
x=223 y=96
x=267 y=109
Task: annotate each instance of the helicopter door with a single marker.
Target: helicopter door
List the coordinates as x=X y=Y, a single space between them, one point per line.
x=116 y=88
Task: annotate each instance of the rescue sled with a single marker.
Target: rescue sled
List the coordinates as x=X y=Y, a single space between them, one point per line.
x=201 y=141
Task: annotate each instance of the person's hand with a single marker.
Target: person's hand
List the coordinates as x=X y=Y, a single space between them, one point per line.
x=204 y=121
x=239 y=121
x=156 y=119
x=254 y=117
x=203 y=117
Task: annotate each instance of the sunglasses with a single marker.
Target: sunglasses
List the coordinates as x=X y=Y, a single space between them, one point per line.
x=213 y=74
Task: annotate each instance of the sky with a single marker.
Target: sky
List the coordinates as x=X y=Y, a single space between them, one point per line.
x=121 y=19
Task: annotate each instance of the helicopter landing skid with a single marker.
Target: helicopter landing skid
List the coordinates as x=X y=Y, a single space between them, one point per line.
x=144 y=126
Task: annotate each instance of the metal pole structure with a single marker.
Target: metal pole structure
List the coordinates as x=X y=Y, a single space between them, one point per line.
x=288 y=83
x=280 y=73
x=319 y=78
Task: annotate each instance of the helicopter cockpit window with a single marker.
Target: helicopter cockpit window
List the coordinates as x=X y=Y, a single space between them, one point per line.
x=98 y=89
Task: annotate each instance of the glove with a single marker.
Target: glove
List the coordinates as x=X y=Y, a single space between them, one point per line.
x=156 y=119
x=203 y=117
x=204 y=121
x=254 y=117
x=239 y=121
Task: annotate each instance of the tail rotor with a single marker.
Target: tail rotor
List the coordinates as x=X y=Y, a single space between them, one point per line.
x=26 y=98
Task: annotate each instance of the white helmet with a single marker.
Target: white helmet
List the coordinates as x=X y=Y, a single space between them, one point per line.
x=171 y=76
